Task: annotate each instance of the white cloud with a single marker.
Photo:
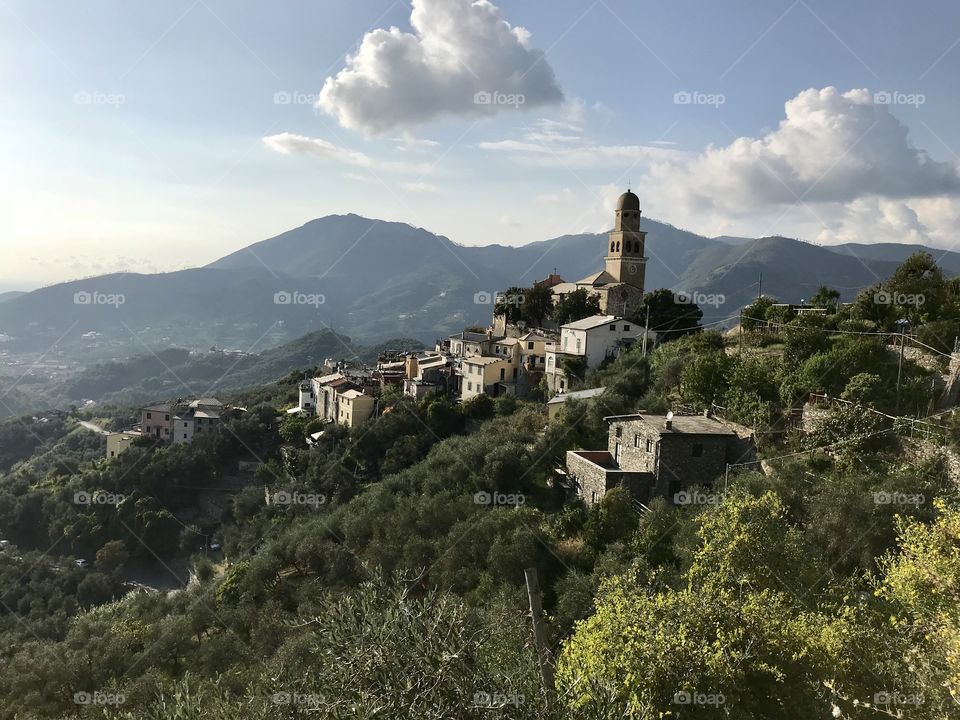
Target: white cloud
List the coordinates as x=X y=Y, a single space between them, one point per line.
x=421 y=187
x=291 y=144
x=563 y=197
x=459 y=48
x=831 y=147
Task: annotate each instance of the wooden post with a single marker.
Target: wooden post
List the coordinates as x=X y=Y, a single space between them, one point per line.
x=540 y=633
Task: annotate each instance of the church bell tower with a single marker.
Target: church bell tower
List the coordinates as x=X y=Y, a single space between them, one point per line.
x=625 y=260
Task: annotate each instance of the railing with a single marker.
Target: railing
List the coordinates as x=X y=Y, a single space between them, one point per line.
x=902 y=424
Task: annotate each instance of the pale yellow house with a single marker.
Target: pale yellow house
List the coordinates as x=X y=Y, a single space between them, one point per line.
x=354 y=408
x=483 y=375
x=117 y=442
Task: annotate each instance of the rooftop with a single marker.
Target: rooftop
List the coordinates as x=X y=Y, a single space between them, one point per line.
x=588 y=323
x=474 y=336
x=598 y=278
x=680 y=424
x=482 y=360
x=578 y=395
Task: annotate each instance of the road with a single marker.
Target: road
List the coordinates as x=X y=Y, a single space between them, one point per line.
x=91 y=426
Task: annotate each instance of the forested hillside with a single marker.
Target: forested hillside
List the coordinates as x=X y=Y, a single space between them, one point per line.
x=380 y=573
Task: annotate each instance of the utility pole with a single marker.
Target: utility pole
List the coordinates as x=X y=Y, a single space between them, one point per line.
x=540 y=633
x=900 y=367
x=646 y=329
x=740 y=334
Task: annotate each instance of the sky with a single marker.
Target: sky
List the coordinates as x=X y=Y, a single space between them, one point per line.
x=150 y=137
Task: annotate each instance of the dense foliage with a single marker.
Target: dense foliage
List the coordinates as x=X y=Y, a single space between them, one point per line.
x=380 y=572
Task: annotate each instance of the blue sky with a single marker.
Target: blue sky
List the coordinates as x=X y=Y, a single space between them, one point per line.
x=153 y=136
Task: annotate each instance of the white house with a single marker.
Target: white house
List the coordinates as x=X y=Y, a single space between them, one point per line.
x=594 y=340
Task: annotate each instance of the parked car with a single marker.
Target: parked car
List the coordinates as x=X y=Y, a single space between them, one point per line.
x=81 y=563
x=215 y=547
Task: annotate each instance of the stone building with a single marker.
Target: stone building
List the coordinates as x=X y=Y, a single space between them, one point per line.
x=655 y=456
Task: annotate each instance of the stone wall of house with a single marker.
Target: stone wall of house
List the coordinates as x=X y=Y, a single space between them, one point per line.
x=679 y=468
x=633 y=437
x=589 y=478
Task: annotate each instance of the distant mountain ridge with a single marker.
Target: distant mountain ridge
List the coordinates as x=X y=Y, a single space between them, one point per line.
x=373 y=279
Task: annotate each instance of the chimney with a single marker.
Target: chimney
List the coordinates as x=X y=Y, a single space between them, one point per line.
x=668 y=424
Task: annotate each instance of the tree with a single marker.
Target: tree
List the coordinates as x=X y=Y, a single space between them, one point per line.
x=510 y=303
x=671 y=315
x=754 y=315
x=112 y=557
x=730 y=639
x=576 y=306
x=917 y=289
x=537 y=305
x=826 y=297
x=704 y=378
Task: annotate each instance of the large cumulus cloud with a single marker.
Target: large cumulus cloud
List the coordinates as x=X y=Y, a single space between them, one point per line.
x=458 y=48
x=831 y=147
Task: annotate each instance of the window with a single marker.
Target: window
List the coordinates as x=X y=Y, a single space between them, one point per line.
x=184 y=436
x=613 y=327
x=619 y=431
x=626 y=328
x=166 y=417
x=697 y=450
x=578 y=344
x=636 y=440
x=469 y=387
x=649 y=445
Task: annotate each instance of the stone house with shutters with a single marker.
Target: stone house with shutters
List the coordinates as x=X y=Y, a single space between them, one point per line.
x=652 y=456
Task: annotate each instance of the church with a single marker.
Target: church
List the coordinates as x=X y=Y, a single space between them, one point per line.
x=619 y=286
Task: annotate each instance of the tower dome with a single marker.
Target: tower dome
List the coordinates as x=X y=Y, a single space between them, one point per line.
x=628 y=201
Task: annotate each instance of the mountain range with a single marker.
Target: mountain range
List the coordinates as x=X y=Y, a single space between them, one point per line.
x=371 y=279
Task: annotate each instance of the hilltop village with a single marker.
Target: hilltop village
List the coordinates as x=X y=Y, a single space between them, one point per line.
x=527 y=353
